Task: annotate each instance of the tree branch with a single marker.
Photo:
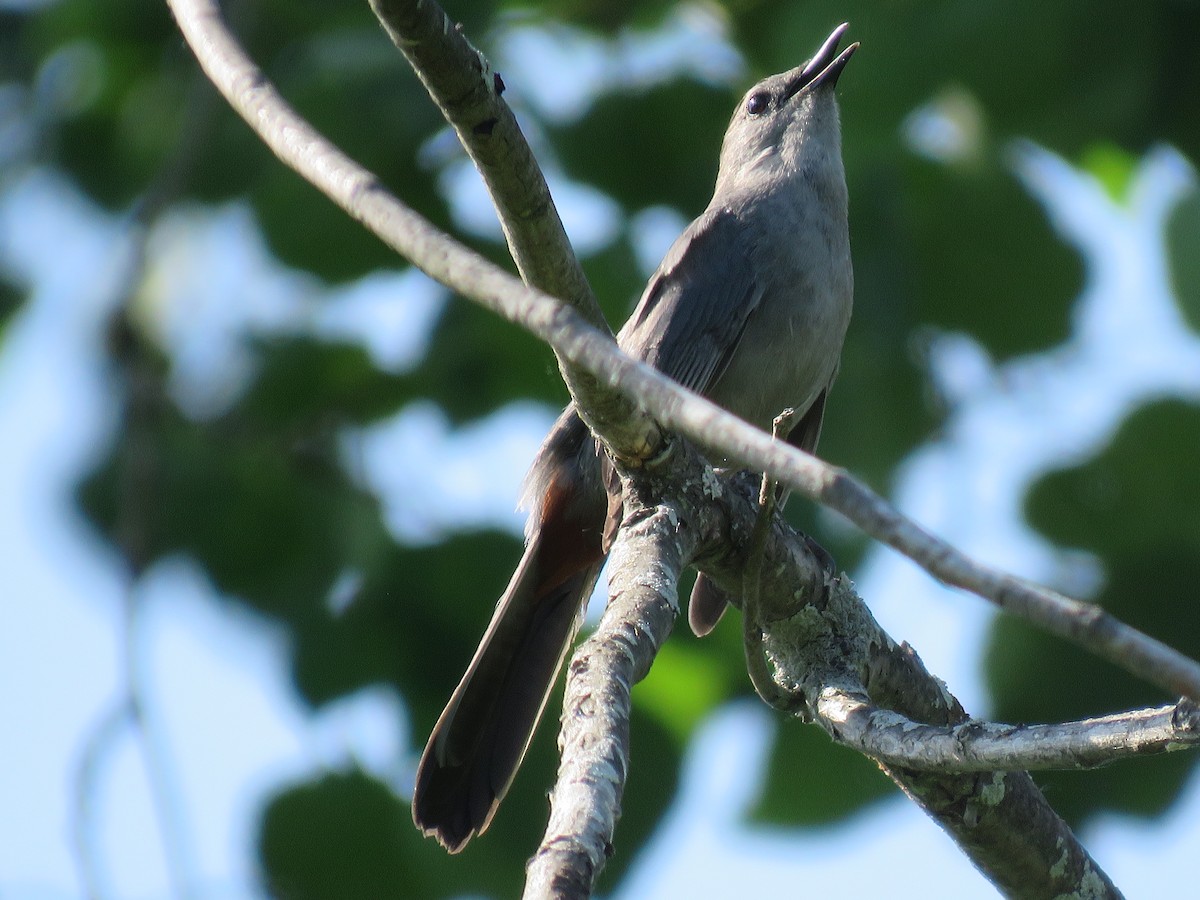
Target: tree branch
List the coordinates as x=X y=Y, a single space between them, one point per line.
x=973 y=746
x=991 y=818
x=675 y=510
x=463 y=85
x=359 y=193
x=816 y=634
x=999 y=819
x=972 y=798
x=646 y=560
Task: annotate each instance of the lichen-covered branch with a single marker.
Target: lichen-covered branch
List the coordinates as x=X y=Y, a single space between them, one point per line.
x=974 y=746
x=999 y=819
x=819 y=638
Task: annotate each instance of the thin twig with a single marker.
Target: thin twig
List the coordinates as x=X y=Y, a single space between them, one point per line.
x=131 y=707
x=157 y=762
x=96 y=744
x=137 y=490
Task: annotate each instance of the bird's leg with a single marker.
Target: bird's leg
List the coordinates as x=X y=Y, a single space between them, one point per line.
x=757 y=665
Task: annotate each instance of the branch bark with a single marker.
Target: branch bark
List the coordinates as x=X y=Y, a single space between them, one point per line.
x=463 y=85
x=973 y=746
x=585 y=804
x=999 y=819
x=818 y=638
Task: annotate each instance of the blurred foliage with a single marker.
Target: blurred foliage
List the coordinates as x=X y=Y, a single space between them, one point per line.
x=649 y=142
x=1183 y=245
x=369 y=858
x=1136 y=506
x=11 y=298
x=259 y=496
x=1112 y=166
x=812 y=781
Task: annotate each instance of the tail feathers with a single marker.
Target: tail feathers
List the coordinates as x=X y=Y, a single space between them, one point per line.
x=479 y=741
x=706 y=606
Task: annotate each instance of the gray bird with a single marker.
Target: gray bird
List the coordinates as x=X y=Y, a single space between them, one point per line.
x=749 y=308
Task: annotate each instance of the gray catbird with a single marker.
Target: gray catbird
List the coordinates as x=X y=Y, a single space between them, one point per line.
x=749 y=307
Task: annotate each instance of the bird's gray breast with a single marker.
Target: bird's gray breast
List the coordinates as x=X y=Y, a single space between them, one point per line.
x=789 y=350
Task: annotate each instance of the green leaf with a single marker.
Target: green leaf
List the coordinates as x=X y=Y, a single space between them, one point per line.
x=1010 y=286
x=1113 y=167
x=683 y=687
x=476 y=362
x=656 y=146
x=306 y=384
x=812 y=781
x=343 y=836
x=257 y=497
x=413 y=621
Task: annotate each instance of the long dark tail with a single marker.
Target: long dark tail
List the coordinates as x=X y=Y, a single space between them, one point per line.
x=479 y=741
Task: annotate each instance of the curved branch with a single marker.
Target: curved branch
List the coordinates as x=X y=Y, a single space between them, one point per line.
x=463 y=85
x=628 y=432
x=360 y=194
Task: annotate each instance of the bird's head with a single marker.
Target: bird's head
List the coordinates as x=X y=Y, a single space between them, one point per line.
x=787 y=124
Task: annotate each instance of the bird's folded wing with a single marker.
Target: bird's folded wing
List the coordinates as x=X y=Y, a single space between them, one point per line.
x=693 y=312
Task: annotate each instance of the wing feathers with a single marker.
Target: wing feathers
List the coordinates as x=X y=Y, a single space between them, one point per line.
x=695 y=308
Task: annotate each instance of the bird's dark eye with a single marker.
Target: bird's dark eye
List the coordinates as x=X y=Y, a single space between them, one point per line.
x=758 y=103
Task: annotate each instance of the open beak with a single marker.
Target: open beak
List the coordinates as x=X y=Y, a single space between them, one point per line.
x=825 y=67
